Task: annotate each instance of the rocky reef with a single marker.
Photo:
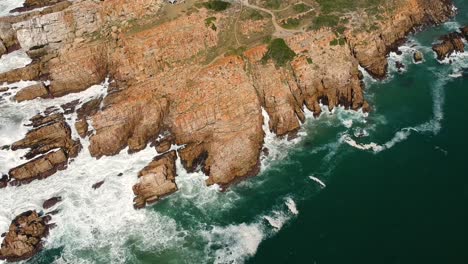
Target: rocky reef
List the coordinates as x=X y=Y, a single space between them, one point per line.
x=449 y=44
x=171 y=85
x=24 y=237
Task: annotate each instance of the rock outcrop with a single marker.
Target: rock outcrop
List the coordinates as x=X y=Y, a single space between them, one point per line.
x=371 y=48
x=50 y=146
x=449 y=44
x=156 y=180
x=25 y=236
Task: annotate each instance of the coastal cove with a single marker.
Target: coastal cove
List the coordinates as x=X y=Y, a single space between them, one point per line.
x=350 y=186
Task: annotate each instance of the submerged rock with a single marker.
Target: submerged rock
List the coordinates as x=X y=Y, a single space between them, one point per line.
x=25 y=236
x=450 y=43
x=97 y=185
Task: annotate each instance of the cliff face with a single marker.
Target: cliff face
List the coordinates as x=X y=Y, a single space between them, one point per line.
x=163 y=84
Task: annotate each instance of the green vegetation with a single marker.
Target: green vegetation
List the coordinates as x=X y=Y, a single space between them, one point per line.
x=301 y=8
x=279 y=52
x=273 y=4
x=309 y=60
x=216 y=5
x=331 y=6
x=338 y=41
x=326 y=21
x=291 y=23
x=255 y=15
x=209 y=22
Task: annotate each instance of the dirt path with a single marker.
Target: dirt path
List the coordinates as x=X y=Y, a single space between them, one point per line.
x=280 y=32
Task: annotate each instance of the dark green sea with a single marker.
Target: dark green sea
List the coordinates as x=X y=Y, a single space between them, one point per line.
x=390 y=186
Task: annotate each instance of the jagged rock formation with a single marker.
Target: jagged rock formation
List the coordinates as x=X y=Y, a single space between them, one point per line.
x=450 y=43
x=24 y=237
x=167 y=79
x=371 y=49
x=50 y=145
x=156 y=180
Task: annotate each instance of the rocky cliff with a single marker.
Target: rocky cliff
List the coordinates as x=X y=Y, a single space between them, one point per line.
x=170 y=80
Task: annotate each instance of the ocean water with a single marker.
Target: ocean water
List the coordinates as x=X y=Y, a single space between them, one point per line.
x=390 y=186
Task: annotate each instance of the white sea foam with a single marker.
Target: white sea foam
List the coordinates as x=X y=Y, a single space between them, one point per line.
x=14 y=60
x=7 y=5
x=277 y=147
x=317 y=180
x=456 y=64
x=291 y=205
x=233 y=243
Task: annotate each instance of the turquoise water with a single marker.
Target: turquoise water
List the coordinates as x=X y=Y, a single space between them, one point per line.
x=399 y=195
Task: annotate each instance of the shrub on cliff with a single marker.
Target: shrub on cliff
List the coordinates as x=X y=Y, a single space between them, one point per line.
x=279 y=52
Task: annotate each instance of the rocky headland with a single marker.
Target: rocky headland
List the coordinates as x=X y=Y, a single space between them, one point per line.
x=188 y=75
x=172 y=77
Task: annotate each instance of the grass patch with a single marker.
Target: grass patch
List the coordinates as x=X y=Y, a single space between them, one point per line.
x=279 y=52
x=209 y=22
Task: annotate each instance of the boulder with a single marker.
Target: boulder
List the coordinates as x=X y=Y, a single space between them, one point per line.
x=449 y=44
x=418 y=56
x=164 y=144
x=25 y=236
x=51 y=202
x=32 y=92
x=156 y=180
